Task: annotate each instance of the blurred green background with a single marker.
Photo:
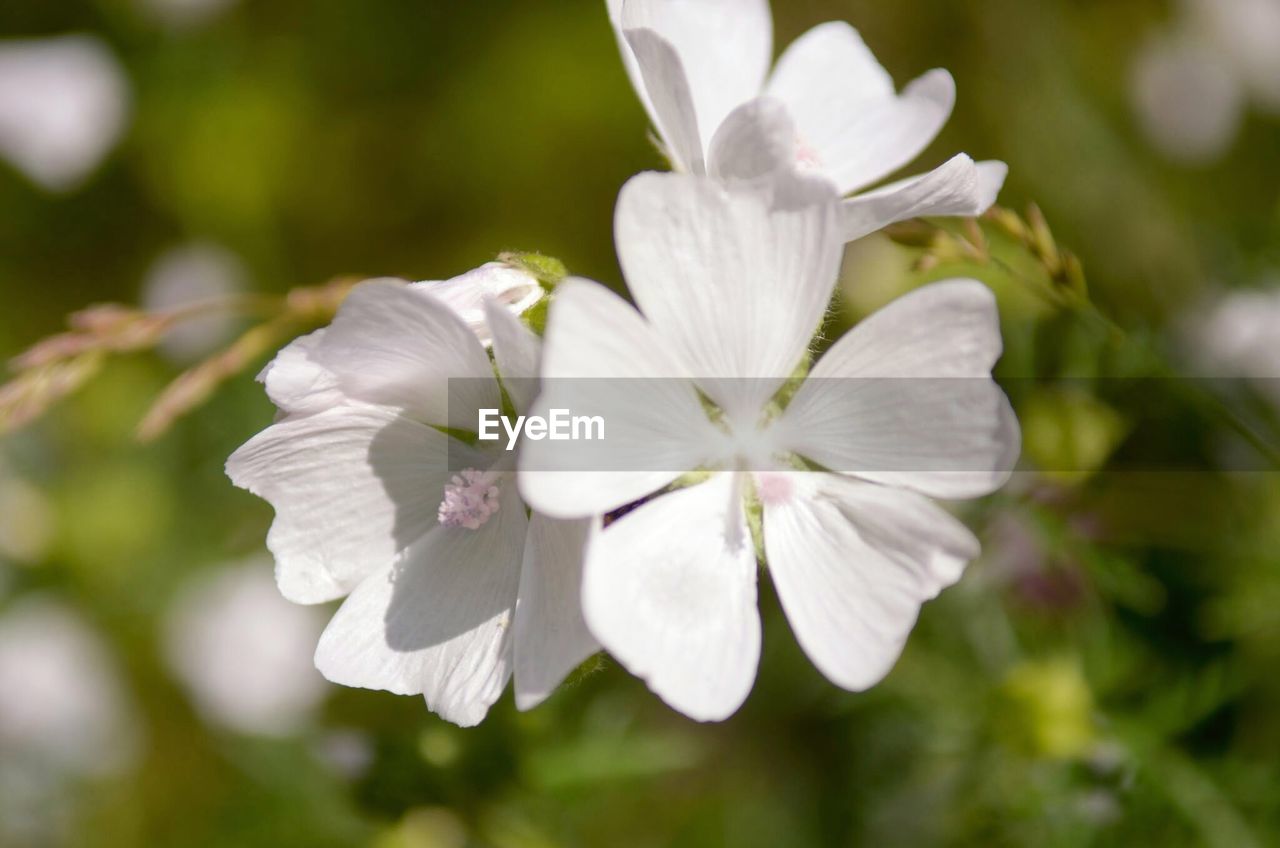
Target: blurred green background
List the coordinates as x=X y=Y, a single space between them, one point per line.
x=1104 y=675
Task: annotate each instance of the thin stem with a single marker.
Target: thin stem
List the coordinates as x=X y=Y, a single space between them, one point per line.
x=1084 y=308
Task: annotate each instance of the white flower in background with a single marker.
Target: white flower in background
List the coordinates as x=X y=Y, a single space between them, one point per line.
x=1188 y=101
x=731 y=286
x=244 y=652
x=453 y=586
x=1247 y=35
x=696 y=64
x=186 y=13
x=1236 y=337
x=1191 y=84
x=63 y=708
x=191 y=274
x=63 y=105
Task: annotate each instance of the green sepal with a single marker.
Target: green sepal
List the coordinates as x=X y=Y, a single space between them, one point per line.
x=547 y=270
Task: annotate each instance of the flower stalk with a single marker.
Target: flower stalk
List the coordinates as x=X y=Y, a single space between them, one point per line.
x=57 y=367
x=1064 y=285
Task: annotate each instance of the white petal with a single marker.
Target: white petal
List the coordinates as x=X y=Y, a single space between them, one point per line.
x=852 y=563
x=517 y=352
x=958 y=187
x=551 y=637
x=906 y=398
x=398 y=346
x=846 y=111
x=831 y=57
x=669 y=99
x=601 y=358
x=724 y=47
x=991 y=176
x=352 y=487
x=466 y=294
x=438 y=622
x=628 y=58
x=734 y=282
x=756 y=141
x=592 y=333
x=670 y=591
x=296 y=383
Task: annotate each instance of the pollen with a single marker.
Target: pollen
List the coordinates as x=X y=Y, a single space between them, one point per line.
x=470 y=499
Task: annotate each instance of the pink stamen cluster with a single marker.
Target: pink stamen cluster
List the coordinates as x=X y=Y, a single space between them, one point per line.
x=774 y=489
x=470 y=498
x=807 y=157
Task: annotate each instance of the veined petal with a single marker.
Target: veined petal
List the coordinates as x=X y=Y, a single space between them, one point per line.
x=670 y=591
x=830 y=59
x=592 y=333
x=438 y=621
x=734 y=281
x=852 y=563
x=846 y=110
x=945 y=329
x=517 y=352
x=906 y=397
x=466 y=294
x=756 y=141
x=296 y=383
x=614 y=8
x=352 y=487
x=724 y=47
x=958 y=187
x=398 y=346
x=602 y=359
x=670 y=101
x=551 y=637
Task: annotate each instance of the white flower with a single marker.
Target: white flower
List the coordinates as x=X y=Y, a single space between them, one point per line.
x=63 y=104
x=453 y=586
x=697 y=64
x=1247 y=35
x=1187 y=98
x=1235 y=336
x=192 y=274
x=732 y=285
x=244 y=652
x=63 y=707
x=182 y=14
x=1191 y=83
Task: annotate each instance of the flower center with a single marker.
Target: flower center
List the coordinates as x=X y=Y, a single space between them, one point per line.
x=807 y=156
x=774 y=489
x=470 y=499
